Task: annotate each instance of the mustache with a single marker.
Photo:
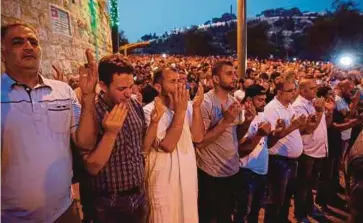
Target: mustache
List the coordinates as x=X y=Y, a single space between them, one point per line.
x=29 y=53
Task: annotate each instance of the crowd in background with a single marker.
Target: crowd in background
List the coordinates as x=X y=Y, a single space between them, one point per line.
x=160 y=138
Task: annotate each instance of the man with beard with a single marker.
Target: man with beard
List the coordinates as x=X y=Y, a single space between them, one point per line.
x=253 y=152
x=217 y=154
x=345 y=108
x=171 y=170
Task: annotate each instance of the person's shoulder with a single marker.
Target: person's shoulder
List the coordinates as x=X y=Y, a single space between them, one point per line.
x=271 y=104
x=149 y=107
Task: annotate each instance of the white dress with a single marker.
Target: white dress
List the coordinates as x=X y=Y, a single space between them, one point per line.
x=171 y=178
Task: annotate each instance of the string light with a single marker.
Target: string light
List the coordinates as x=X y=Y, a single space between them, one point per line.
x=93 y=11
x=114 y=13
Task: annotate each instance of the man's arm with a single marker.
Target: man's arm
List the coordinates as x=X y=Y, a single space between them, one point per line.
x=228 y=117
x=197 y=128
x=247 y=145
x=112 y=123
x=312 y=123
x=85 y=136
x=154 y=118
x=281 y=130
x=87 y=128
x=98 y=158
x=173 y=133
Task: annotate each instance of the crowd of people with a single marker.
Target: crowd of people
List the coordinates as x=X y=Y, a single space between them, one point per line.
x=168 y=139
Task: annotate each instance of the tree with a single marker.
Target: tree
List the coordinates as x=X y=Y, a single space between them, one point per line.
x=258 y=44
x=341 y=30
x=198 y=42
x=123 y=39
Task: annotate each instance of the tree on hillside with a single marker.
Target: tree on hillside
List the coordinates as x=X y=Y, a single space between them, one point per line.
x=341 y=30
x=258 y=44
x=198 y=42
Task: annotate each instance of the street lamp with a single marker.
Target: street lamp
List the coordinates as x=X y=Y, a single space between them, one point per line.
x=346 y=61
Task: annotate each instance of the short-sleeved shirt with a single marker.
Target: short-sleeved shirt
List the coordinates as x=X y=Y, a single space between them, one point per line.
x=342 y=105
x=36 y=125
x=257 y=160
x=125 y=167
x=290 y=146
x=220 y=158
x=315 y=144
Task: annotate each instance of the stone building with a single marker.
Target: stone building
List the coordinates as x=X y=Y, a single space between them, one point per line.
x=66 y=28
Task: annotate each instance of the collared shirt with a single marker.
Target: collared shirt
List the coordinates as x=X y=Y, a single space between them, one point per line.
x=125 y=167
x=291 y=145
x=257 y=160
x=342 y=105
x=220 y=158
x=36 y=125
x=315 y=144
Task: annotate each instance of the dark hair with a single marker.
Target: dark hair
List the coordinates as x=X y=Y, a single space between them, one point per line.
x=218 y=66
x=5 y=28
x=286 y=78
x=264 y=76
x=274 y=75
x=323 y=91
x=113 y=64
x=158 y=74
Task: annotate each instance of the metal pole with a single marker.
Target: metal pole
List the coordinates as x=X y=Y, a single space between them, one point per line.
x=241 y=37
x=115 y=39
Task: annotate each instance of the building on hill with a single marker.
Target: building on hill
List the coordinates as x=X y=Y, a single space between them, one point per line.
x=66 y=28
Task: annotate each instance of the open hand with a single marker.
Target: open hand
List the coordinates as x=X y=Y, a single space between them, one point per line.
x=113 y=122
x=158 y=111
x=198 y=99
x=88 y=75
x=231 y=113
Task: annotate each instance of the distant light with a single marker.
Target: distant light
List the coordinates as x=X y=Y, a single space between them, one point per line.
x=346 y=61
x=163 y=55
x=294 y=59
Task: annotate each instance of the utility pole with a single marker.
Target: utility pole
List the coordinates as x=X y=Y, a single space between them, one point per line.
x=241 y=37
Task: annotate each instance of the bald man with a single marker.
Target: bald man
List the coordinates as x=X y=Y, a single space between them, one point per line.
x=315 y=145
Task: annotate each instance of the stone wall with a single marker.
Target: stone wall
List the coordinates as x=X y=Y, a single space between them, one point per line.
x=90 y=28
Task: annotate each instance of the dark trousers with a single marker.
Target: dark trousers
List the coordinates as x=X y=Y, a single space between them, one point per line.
x=250 y=195
x=328 y=176
x=308 y=169
x=282 y=183
x=216 y=198
x=71 y=215
x=115 y=209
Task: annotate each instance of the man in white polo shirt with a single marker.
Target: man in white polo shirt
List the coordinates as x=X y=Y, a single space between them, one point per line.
x=286 y=146
x=39 y=116
x=315 y=141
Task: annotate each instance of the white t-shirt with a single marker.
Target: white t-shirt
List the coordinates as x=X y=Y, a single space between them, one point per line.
x=291 y=145
x=257 y=160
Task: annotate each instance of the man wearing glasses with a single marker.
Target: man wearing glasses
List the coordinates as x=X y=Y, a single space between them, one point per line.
x=285 y=146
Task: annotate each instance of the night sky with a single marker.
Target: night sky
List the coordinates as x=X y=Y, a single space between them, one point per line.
x=148 y=16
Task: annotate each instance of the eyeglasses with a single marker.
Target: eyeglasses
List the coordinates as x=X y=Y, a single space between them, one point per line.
x=290 y=90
